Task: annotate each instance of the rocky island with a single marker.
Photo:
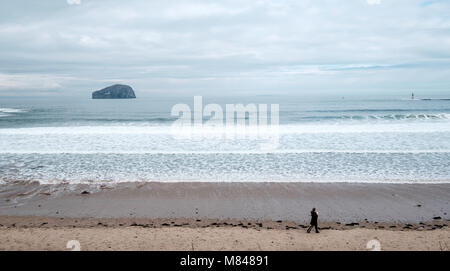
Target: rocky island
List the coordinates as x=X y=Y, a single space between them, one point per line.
x=114 y=92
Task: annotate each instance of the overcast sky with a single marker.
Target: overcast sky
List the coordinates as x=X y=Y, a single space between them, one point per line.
x=72 y=47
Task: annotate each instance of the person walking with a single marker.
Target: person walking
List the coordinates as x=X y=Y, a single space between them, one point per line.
x=314 y=217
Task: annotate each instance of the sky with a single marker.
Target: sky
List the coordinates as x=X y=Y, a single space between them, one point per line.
x=237 y=47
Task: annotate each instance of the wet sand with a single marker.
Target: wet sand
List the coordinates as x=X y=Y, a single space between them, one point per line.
x=336 y=202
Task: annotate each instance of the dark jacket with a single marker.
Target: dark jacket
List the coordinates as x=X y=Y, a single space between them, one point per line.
x=314 y=217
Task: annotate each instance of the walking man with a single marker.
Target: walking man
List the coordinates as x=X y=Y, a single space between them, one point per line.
x=314 y=217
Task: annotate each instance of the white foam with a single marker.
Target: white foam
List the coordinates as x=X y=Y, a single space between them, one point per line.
x=155 y=152
x=402 y=117
x=140 y=180
x=358 y=138
x=281 y=129
x=12 y=110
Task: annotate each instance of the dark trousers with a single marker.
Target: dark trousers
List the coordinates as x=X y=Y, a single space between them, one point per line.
x=310 y=228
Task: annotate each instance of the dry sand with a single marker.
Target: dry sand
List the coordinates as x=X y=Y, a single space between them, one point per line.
x=44 y=233
x=138 y=238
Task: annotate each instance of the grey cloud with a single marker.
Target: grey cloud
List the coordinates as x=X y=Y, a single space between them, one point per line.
x=240 y=47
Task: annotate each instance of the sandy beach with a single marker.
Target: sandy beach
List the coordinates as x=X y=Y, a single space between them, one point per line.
x=336 y=202
x=222 y=238
x=224 y=216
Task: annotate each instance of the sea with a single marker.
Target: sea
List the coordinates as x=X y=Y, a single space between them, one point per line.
x=328 y=139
